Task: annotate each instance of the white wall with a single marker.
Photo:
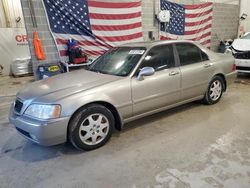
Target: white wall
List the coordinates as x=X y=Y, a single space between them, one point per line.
x=14 y=42
x=245 y=9
x=13 y=45
x=13 y=11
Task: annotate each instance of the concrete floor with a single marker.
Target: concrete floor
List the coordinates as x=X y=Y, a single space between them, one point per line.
x=190 y=146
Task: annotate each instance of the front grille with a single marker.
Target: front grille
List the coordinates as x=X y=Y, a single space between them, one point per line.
x=242 y=55
x=242 y=68
x=18 y=106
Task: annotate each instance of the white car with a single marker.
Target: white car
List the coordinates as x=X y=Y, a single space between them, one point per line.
x=241 y=51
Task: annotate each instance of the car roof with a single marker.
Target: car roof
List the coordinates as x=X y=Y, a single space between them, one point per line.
x=150 y=44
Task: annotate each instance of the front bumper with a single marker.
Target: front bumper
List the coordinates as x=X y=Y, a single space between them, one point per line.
x=46 y=133
x=242 y=65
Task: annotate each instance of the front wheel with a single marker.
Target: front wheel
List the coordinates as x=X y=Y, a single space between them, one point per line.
x=91 y=127
x=214 y=91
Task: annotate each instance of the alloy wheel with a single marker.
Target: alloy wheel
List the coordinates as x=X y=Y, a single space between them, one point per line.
x=93 y=129
x=215 y=90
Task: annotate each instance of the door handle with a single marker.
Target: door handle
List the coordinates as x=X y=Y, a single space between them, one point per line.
x=173 y=73
x=207 y=65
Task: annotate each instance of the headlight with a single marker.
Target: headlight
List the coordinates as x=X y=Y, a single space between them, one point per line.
x=43 y=111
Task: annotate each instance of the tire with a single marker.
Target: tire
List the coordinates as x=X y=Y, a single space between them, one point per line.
x=214 y=91
x=91 y=127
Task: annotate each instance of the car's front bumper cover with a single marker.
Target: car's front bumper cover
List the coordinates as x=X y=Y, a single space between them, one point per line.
x=46 y=133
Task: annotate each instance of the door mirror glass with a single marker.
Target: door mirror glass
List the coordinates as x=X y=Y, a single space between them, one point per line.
x=145 y=71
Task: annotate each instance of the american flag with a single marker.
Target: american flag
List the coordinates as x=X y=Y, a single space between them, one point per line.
x=96 y=25
x=189 y=22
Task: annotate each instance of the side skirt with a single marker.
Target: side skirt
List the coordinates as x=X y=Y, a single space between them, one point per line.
x=161 y=109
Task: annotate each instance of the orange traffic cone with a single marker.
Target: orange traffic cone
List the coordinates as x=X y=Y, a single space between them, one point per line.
x=38 y=47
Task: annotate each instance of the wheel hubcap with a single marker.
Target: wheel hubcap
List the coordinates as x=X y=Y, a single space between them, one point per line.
x=215 y=90
x=94 y=129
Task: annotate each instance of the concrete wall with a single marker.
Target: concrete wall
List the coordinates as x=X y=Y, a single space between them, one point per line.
x=224 y=25
x=245 y=9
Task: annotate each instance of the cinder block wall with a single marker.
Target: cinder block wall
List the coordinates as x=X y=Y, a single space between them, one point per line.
x=43 y=32
x=225 y=23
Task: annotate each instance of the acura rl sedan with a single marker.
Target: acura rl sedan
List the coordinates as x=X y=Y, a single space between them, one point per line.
x=126 y=83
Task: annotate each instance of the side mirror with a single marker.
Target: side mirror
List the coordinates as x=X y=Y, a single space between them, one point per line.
x=145 y=71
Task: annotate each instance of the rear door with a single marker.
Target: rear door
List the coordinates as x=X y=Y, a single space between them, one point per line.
x=196 y=70
x=160 y=89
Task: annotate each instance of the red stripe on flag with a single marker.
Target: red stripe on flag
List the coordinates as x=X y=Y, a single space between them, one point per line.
x=122 y=38
x=198 y=6
x=190 y=24
x=199 y=14
x=193 y=39
x=203 y=43
x=202 y=36
x=206 y=42
x=165 y=38
x=91 y=43
x=114 y=16
x=61 y=41
x=88 y=52
x=63 y=53
x=84 y=43
x=198 y=30
x=94 y=53
x=101 y=4
x=115 y=27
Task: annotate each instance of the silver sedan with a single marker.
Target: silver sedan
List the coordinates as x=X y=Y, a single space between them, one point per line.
x=124 y=84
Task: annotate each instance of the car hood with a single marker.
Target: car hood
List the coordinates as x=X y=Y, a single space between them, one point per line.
x=241 y=44
x=57 y=87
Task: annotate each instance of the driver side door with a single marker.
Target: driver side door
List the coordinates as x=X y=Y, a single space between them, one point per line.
x=161 y=89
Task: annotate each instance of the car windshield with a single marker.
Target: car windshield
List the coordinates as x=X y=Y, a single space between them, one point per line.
x=246 y=36
x=118 y=61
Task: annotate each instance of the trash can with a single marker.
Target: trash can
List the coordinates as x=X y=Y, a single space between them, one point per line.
x=48 y=70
